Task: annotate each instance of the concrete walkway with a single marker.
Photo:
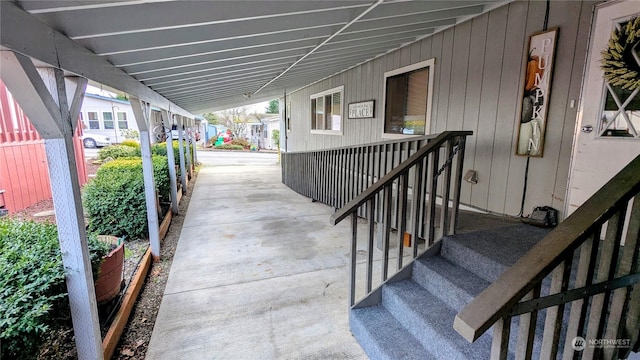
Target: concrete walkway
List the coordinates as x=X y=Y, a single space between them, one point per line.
x=259 y=273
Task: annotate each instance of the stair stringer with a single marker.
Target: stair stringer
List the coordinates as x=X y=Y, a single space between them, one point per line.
x=375 y=297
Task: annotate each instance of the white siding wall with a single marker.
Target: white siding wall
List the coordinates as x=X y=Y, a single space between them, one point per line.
x=479 y=69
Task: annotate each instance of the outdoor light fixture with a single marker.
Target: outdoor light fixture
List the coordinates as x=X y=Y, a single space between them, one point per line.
x=471 y=177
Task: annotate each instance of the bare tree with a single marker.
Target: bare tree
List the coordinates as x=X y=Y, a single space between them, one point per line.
x=235 y=120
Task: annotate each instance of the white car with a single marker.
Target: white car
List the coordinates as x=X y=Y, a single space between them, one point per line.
x=95 y=140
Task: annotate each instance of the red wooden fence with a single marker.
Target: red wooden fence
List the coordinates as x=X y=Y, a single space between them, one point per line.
x=24 y=175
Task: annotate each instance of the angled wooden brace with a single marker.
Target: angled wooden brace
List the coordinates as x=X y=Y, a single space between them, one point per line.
x=52 y=103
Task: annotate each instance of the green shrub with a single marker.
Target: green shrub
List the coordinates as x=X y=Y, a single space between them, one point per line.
x=118 y=151
x=32 y=283
x=161 y=149
x=229 y=147
x=130 y=143
x=241 y=142
x=115 y=198
x=132 y=134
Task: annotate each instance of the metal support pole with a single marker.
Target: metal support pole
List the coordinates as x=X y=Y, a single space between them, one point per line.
x=53 y=110
x=142 y=112
x=166 y=124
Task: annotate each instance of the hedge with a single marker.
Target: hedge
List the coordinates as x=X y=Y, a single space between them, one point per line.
x=32 y=284
x=130 y=148
x=229 y=147
x=161 y=149
x=115 y=198
x=117 y=152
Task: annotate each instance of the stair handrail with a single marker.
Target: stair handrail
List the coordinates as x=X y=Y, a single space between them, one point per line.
x=359 y=200
x=501 y=300
x=384 y=142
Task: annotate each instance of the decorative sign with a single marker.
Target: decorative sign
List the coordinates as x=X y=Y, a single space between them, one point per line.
x=361 y=110
x=535 y=100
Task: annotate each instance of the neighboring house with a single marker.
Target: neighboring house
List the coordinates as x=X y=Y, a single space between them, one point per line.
x=24 y=178
x=261 y=133
x=471 y=77
x=107 y=116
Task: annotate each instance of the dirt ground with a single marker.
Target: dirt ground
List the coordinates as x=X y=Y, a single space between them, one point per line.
x=133 y=344
x=135 y=339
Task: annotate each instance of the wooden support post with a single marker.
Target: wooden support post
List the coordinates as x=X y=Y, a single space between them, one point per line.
x=183 y=170
x=166 y=123
x=142 y=112
x=43 y=96
x=186 y=135
x=195 y=146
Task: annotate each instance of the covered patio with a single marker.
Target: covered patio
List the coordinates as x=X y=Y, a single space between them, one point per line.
x=259 y=271
x=182 y=58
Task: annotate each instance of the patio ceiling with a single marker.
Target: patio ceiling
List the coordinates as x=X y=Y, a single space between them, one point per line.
x=210 y=55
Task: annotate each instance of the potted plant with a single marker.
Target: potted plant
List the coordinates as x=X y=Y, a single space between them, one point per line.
x=110 y=276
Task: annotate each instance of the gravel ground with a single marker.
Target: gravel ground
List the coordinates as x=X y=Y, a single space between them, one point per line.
x=135 y=339
x=133 y=344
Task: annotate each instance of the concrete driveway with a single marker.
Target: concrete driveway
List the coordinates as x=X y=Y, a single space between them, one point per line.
x=259 y=273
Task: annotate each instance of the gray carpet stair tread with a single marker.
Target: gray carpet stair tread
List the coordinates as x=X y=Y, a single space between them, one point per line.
x=383 y=337
x=452 y=284
x=488 y=253
x=431 y=321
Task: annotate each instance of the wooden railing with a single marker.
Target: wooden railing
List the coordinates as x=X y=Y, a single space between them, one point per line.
x=392 y=186
x=576 y=293
x=335 y=176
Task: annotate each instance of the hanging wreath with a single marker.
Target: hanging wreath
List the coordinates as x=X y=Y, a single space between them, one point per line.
x=621 y=68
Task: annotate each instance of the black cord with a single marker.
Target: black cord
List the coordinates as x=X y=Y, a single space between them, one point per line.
x=526 y=169
x=546 y=16
x=524 y=187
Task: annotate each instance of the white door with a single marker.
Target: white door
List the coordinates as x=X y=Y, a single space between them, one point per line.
x=608 y=135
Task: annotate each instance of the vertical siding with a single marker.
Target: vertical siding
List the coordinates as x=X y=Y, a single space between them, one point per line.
x=489 y=97
x=478 y=75
x=444 y=85
x=508 y=100
x=24 y=173
x=471 y=117
x=534 y=23
x=436 y=53
x=459 y=62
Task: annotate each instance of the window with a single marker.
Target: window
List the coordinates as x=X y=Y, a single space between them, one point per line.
x=408 y=93
x=122 y=120
x=620 y=121
x=94 y=123
x=326 y=111
x=620 y=115
x=107 y=118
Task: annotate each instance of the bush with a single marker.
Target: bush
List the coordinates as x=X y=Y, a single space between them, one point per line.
x=132 y=134
x=130 y=143
x=118 y=151
x=161 y=149
x=241 y=142
x=229 y=147
x=32 y=283
x=115 y=198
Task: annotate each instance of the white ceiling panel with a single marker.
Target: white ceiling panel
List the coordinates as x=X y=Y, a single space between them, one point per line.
x=208 y=55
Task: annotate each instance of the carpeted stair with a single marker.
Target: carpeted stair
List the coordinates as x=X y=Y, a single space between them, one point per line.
x=415 y=318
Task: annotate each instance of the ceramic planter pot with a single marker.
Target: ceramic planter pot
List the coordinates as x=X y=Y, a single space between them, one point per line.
x=109 y=280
